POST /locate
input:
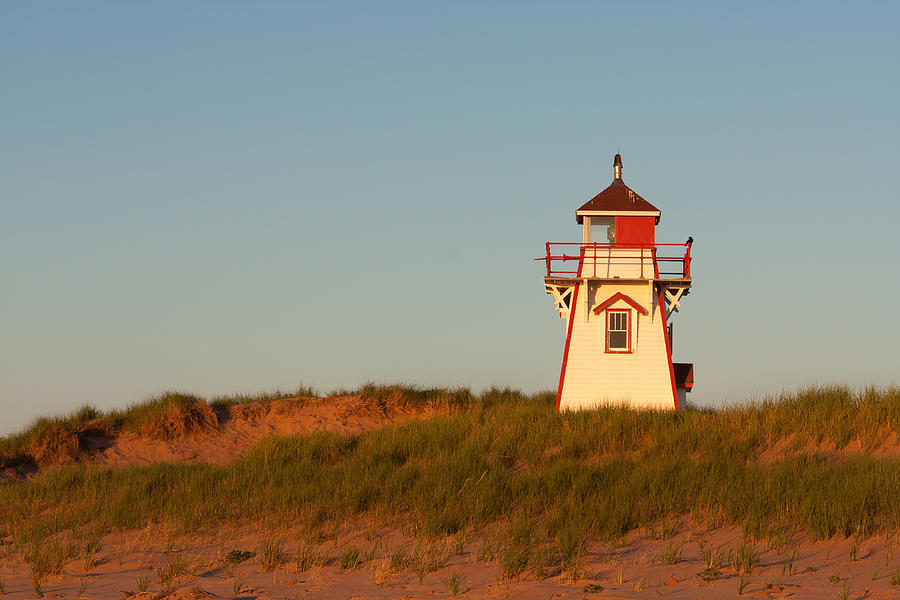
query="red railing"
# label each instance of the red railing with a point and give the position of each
(662, 255)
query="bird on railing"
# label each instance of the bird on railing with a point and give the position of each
(690, 241)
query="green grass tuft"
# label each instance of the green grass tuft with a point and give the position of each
(350, 559)
(272, 554)
(237, 556)
(454, 584)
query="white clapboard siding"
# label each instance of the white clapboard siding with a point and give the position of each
(592, 376)
(626, 263)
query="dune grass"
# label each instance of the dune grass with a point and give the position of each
(167, 416)
(301, 391)
(506, 460)
(504, 457)
(61, 429)
(171, 415)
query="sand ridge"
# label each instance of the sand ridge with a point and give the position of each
(240, 428)
(232, 432)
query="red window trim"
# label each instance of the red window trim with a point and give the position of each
(615, 298)
(606, 316)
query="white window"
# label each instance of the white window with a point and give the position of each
(603, 230)
(618, 331)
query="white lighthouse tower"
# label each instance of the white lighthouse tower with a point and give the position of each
(618, 290)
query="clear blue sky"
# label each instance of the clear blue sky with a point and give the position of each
(224, 197)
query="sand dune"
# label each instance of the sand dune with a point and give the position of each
(643, 564)
(240, 428)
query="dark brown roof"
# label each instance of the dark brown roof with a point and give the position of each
(617, 197)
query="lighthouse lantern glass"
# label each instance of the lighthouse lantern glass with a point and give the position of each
(603, 230)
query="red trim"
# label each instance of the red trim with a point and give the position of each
(662, 319)
(615, 298)
(572, 308)
(680, 269)
(627, 312)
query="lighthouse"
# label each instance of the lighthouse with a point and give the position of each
(618, 291)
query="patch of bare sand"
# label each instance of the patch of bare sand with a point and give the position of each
(637, 566)
(887, 448)
(241, 427)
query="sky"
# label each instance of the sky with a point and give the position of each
(228, 197)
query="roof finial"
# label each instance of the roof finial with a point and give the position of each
(617, 166)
